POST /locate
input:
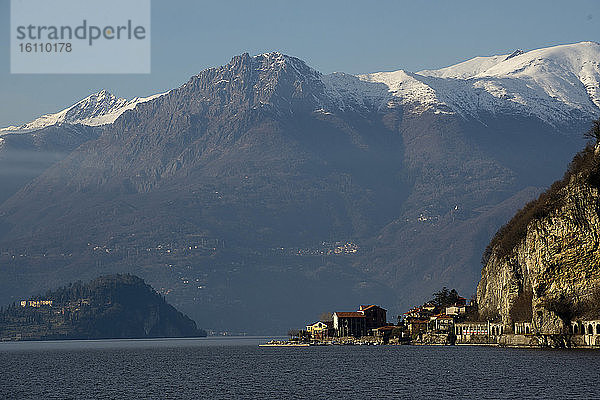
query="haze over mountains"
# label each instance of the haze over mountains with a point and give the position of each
(262, 193)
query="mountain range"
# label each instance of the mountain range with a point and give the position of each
(261, 193)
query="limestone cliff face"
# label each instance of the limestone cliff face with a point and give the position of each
(551, 273)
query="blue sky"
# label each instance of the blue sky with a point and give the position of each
(351, 36)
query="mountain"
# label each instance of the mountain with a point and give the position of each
(109, 307)
(262, 193)
(543, 266)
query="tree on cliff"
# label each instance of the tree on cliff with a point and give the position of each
(445, 297)
(594, 132)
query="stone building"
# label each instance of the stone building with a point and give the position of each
(522, 328)
(359, 323)
(375, 316)
(588, 332)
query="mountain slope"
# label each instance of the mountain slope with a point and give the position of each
(24, 156)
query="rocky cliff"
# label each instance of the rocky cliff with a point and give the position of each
(544, 265)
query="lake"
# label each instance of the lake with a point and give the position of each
(236, 368)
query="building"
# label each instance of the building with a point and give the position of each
(384, 332)
(416, 325)
(584, 328)
(319, 330)
(468, 329)
(590, 331)
(359, 323)
(349, 324)
(496, 329)
(375, 316)
(441, 323)
(36, 303)
(465, 331)
(522, 328)
(415, 312)
(456, 310)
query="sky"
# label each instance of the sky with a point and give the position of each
(329, 35)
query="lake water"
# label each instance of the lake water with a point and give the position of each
(236, 368)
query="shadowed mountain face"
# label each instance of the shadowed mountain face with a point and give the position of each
(25, 156)
(255, 197)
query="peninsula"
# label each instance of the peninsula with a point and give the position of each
(109, 307)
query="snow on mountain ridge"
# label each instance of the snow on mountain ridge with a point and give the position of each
(347, 91)
(97, 109)
(554, 84)
(466, 69)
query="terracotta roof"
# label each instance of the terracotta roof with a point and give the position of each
(418, 321)
(440, 315)
(386, 328)
(351, 314)
(363, 307)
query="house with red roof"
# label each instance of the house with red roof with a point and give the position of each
(359, 323)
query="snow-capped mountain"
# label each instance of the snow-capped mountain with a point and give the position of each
(100, 108)
(555, 84)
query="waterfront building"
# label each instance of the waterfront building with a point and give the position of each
(441, 323)
(375, 316)
(319, 330)
(522, 328)
(349, 324)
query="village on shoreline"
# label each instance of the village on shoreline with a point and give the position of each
(447, 319)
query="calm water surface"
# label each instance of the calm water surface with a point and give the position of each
(236, 368)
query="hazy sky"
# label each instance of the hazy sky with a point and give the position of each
(346, 35)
